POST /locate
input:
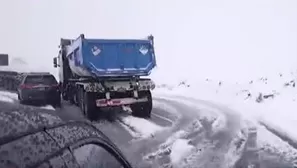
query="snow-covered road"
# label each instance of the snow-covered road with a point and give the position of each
(185, 132)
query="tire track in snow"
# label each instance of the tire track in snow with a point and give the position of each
(213, 134)
(183, 134)
(265, 159)
(233, 119)
(229, 122)
(219, 136)
(154, 116)
(179, 114)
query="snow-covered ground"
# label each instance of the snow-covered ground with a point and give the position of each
(221, 99)
(269, 100)
(263, 103)
(13, 97)
(139, 127)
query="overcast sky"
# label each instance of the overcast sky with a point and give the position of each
(229, 39)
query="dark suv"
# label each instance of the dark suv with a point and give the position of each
(39, 88)
(43, 139)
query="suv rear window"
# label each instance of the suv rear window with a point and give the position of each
(42, 79)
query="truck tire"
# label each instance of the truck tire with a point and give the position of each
(143, 109)
(89, 106)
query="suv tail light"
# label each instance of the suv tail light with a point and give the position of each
(55, 85)
(24, 86)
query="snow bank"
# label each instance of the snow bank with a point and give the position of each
(13, 97)
(48, 107)
(8, 97)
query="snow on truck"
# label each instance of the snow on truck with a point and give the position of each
(99, 73)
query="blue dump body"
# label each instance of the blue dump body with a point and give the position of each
(111, 58)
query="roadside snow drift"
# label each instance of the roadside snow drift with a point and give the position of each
(8, 96)
(6, 99)
(13, 98)
(48, 107)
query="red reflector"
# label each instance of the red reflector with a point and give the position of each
(116, 101)
(55, 85)
(26, 86)
(108, 102)
(102, 101)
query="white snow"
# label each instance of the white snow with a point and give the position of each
(205, 111)
(6, 99)
(8, 95)
(165, 106)
(234, 152)
(268, 141)
(142, 128)
(219, 124)
(167, 145)
(278, 112)
(48, 107)
(13, 97)
(180, 150)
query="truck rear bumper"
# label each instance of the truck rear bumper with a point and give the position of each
(118, 102)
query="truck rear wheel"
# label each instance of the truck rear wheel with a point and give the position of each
(89, 106)
(143, 109)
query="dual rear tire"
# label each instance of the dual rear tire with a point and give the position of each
(89, 107)
(87, 103)
(143, 109)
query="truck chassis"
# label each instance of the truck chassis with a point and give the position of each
(93, 96)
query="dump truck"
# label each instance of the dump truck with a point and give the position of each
(96, 74)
